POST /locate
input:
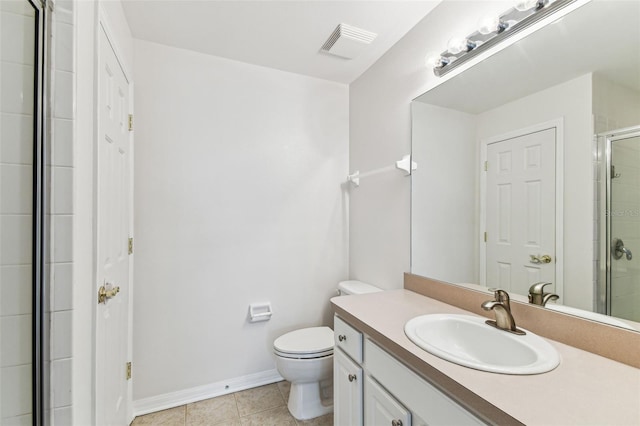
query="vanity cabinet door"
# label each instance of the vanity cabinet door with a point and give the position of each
(347, 391)
(419, 396)
(382, 409)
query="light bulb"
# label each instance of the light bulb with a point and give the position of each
(432, 60)
(488, 24)
(525, 5)
(437, 61)
(457, 45)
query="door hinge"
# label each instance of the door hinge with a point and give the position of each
(131, 245)
(130, 122)
(129, 370)
(486, 166)
(485, 236)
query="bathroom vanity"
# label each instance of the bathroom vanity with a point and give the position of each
(381, 377)
(383, 390)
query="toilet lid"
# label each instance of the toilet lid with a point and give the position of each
(305, 341)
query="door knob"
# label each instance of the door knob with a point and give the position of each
(545, 258)
(106, 292)
(352, 377)
(342, 337)
(620, 250)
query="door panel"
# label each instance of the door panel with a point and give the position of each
(382, 409)
(347, 382)
(112, 232)
(624, 218)
(520, 210)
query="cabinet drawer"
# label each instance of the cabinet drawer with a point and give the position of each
(348, 339)
(420, 397)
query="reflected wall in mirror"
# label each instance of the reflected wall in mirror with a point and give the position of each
(507, 153)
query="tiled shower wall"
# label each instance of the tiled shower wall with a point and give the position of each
(16, 211)
(61, 207)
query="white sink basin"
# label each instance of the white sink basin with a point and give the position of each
(468, 341)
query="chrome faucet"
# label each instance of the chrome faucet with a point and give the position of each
(537, 295)
(502, 308)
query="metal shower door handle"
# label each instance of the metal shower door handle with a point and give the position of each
(619, 250)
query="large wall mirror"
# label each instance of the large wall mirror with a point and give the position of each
(514, 186)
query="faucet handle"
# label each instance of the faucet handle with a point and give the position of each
(502, 296)
(538, 288)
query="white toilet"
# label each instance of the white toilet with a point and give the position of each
(305, 358)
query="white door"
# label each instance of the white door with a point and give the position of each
(112, 397)
(521, 211)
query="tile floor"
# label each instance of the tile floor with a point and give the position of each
(262, 406)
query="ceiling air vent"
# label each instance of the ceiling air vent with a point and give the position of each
(347, 41)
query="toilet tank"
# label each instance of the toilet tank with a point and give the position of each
(355, 287)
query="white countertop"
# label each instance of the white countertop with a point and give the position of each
(585, 389)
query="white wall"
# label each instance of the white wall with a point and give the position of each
(238, 199)
(444, 243)
(380, 133)
(571, 102)
(614, 106)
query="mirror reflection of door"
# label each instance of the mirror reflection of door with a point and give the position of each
(520, 211)
(624, 220)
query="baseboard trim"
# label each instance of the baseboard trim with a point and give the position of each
(186, 396)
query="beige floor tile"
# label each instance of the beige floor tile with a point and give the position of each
(255, 400)
(214, 411)
(170, 417)
(275, 417)
(235, 422)
(326, 420)
(284, 387)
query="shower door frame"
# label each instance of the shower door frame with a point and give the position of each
(39, 224)
(602, 294)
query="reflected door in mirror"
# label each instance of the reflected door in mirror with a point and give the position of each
(520, 211)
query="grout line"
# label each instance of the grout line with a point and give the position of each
(9, 163)
(16, 114)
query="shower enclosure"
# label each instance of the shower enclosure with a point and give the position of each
(619, 195)
(21, 212)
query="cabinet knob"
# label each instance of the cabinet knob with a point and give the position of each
(352, 377)
(342, 337)
(396, 422)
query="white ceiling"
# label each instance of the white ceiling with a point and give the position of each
(285, 35)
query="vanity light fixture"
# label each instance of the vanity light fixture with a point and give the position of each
(493, 30)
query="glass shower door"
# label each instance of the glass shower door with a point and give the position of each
(624, 227)
(20, 212)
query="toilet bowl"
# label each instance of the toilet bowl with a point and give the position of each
(304, 357)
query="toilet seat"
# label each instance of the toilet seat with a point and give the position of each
(306, 343)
